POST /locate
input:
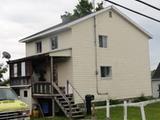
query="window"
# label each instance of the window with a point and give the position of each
(23, 69)
(102, 41)
(54, 42)
(106, 71)
(39, 47)
(25, 93)
(19, 69)
(15, 70)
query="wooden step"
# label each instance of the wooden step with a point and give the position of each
(77, 116)
(67, 95)
(67, 106)
(72, 109)
(62, 99)
(77, 112)
(64, 102)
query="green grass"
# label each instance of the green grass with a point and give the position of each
(152, 113)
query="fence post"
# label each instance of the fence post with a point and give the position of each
(107, 109)
(125, 110)
(142, 112)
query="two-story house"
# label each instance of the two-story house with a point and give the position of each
(105, 54)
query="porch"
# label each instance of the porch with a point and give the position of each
(40, 71)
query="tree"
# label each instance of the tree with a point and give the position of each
(99, 6)
(3, 70)
(83, 8)
(152, 72)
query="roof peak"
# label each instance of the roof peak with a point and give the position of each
(62, 25)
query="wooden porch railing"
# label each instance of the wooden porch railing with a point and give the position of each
(42, 88)
(20, 81)
(74, 90)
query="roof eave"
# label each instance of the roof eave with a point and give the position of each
(68, 25)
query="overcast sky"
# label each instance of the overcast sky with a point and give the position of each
(20, 18)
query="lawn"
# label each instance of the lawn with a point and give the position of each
(152, 113)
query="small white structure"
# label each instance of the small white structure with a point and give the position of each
(156, 83)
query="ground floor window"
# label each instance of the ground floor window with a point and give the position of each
(106, 71)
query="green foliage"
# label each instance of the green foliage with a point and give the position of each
(83, 8)
(103, 103)
(99, 6)
(3, 70)
(142, 98)
(114, 102)
(5, 82)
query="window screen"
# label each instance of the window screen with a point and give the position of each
(103, 41)
(106, 71)
(39, 47)
(54, 42)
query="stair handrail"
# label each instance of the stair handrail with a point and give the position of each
(84, 102)
(64, 97)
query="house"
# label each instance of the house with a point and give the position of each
(105, 54)
(156, 83)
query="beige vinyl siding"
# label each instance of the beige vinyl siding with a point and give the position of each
(64, 41)
(127, 52)
(64, 72)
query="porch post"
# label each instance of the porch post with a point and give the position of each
(51, 78)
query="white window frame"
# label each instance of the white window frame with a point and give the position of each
(102, 41)
(107, 74)
(54, 42)
(38, 51)
(15, 70)
(23, 69)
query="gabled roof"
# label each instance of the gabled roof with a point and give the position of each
(62, 26)
(156, 75)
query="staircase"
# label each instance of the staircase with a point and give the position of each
(67, 105)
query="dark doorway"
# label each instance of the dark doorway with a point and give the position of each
(46, 106)
(55, 73)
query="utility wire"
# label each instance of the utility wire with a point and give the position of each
(133, 11)
(148, 5)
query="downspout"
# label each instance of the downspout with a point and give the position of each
(96, 58)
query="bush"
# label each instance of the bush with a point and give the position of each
(142, 98)
(103, 103)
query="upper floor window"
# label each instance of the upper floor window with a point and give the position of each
(39, 47)
(106, 71)
(102, 41)
(54, 42)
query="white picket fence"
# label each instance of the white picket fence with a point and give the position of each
(141, 105)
